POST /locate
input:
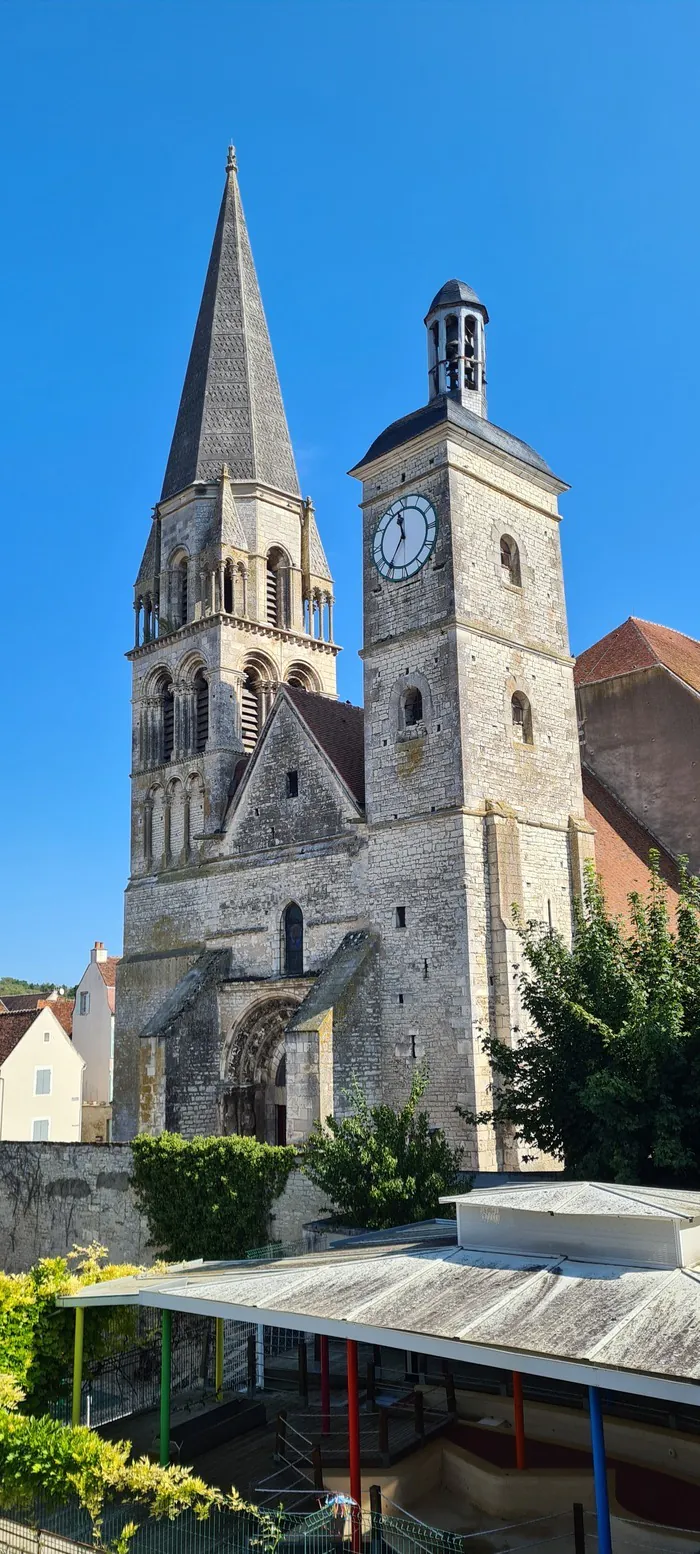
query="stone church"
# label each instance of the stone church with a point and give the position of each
(319, 892)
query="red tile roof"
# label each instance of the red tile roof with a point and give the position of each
(63, 1010)
(636, 645)
(340, 730)
(12, 1028)
(622, 848)
(108, 969)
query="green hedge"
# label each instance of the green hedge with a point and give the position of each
(207, 1197)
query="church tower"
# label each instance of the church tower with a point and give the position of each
(234, 593)
(473, 785)
(233, 598)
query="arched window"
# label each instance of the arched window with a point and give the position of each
(277, 596)
(522, 718)
(181, 601)
(471, 369)
(201, 711)
(167, 713)
(510, 561)
(228, 588)
(293, 927)
(412, 708)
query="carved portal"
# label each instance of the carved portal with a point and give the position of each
(254, 1098)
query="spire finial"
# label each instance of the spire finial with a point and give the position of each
(231, 163)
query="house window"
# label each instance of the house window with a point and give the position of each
(401, 917)
(84, 1003)
(42, 1081)
(292, 785)
(47, 1035)
(40, 1129)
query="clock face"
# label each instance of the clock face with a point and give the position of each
(404, 537)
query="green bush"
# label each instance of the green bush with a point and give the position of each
(382, 1167)
(207, 1197)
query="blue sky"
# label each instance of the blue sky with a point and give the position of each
(546, 153)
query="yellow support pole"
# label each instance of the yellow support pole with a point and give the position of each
(219, 1359)
(78, 1363)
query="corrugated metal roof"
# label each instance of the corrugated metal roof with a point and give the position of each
(628, 1328)
(587, 1198)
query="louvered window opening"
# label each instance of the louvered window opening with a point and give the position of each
(272, 597)
(183, 593)
(168, 723)
(201, 693)
(250, 716)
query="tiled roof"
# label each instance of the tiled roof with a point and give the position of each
(108, 969)
(63, 1010)
(12, 1028)
(340, 730)
(15, 1003)
(636, 645)
(622, 848)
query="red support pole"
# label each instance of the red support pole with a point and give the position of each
(325, 1389)
(519, 1418)
(354, 1440)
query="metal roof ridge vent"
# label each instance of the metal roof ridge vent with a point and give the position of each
(598, 1222)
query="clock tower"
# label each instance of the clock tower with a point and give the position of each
(473, 784)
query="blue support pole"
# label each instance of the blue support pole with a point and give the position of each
(600, 1477)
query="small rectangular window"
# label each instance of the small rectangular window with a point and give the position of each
(47, 1035)
(40, 1129)
(292, 785)
(84, 1003)
(42, 1082)
(400, 917)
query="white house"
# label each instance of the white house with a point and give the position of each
(41, 1078)
(93, 1038)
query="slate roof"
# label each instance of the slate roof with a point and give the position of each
(455, 291)
(231, 409)
(637, 645)
(446, 409)
(339, 728)
(622, 847)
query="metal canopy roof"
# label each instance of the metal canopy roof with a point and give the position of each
(587, 1198)
(624, 1328)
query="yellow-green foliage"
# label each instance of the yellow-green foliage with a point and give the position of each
(36, 1336)
(40, 1458)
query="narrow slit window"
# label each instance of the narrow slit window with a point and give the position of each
(292, 785)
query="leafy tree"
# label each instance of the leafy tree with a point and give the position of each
(16, 985)
(607, 1076)
(207, 1197)
(381, 1167)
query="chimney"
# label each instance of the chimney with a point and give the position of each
(99, 952)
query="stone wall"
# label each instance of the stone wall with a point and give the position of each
(57, 1196)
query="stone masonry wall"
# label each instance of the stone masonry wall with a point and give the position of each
(54, 1197)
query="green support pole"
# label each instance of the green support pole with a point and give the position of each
(165, 1353)
(219, 1360)
(78, 1364)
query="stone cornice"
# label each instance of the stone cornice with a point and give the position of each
(239, 623)
(479, 629)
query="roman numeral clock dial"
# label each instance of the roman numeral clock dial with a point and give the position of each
(404, 537)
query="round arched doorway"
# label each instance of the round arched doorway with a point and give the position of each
(254, 1079)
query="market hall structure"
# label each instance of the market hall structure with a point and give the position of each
(586, 1283)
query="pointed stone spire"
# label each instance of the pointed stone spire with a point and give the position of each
(228, 529)
(231, 408)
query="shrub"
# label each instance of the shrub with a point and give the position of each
(382, 1167)
(207, 1197)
